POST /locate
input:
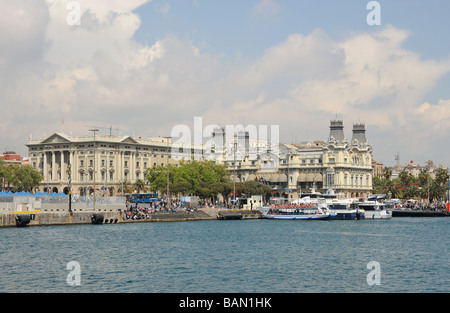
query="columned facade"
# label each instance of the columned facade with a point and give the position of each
(335, 165)
(112, 162)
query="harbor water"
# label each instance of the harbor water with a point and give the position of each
(245, 256)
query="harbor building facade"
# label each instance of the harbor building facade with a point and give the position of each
(105, 163)
(336, 165)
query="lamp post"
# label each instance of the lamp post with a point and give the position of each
(94, 130)
(69, 172)
(169, 201)
(235, 175)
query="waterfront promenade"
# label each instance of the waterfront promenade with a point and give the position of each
(62, 216)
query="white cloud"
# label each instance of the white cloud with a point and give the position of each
(96, 73)
(164, 8)
(266, 8)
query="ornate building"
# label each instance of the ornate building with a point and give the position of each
(106, 162)
(101, 163)
(336, 165)
(348, 165)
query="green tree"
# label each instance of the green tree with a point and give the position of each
(405, 178)
(125, 186)
(31, 178)
(19, 178)
(202, 178)
(439, 186)
(387, 173)
(139, 185)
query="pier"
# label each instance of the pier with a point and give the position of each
(61, 216)
(419, 213)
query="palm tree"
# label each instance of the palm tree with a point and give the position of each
(405, 178)
(440, 183)
(387, 173)
(139, 185)
(125, 186)
(442, 177)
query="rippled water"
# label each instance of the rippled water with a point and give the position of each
(230, 256)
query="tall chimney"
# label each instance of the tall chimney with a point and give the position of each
(359, 133)
(337, 130)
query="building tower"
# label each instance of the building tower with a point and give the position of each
(337, 130)
(359, 133)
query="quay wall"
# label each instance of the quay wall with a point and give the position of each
(40, 218)
(415, 213)
(52, 215)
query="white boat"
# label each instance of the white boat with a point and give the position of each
(294, 211)
(375, 209)
(339, 207)
(343, 209)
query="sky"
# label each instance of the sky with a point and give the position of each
(145, 67)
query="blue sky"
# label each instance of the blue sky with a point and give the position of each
(146, 66)
(235, 25)
(235, 29)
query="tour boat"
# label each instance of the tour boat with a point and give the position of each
(294, 212)
(344, 209)
(375, 209)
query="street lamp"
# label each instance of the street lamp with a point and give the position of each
(94, 130)
(169, 202)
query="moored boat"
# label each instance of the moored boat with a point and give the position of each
(294, 212)
(375, 208)
(344, 209)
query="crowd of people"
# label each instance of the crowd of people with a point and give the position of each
(137, 211)
(423, 206)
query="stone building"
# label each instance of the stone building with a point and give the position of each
(105, 162)
(336, 165)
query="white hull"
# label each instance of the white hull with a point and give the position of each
(374, 210)
(294, 213)
(378, 215)
(297, 217)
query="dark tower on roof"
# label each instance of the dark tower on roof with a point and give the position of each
(359, 133)
(337, 130)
